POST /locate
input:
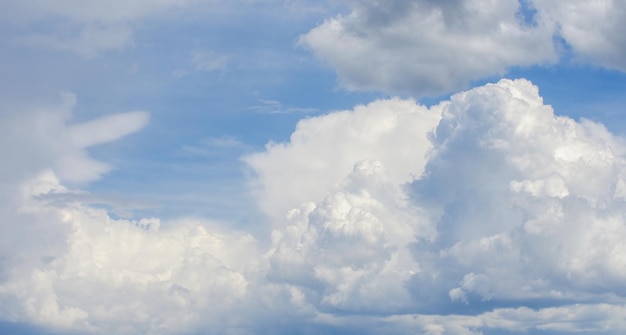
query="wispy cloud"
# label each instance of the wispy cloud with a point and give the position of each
(277, 107)
(203, 61)
(213, 146)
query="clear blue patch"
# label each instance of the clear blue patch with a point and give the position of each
(527, 14)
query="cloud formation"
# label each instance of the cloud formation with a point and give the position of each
(38, 137)
(515, 207)
(323, 150)
(528, 205)
(83, 27)
(593, 29)
(127, 277)
(427, 48)
(485, 212)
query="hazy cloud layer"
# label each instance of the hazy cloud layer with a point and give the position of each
(82, 27)
(485, 212)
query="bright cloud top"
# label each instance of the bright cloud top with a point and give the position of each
(433, 47)
(324, 149)
(491, 205)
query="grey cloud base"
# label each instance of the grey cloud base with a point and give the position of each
(429, 48)
(484, 213)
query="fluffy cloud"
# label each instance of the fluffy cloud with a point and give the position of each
(485, 212)
(432, 47)
(592, 28)
(511, 186)
(428, 47)
(350, 251)
(131, 277)
(515, 207)
(323, 150)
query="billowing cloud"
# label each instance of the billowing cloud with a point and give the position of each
(108, 275)
(349, 252)
(528, 206)
(323, 150)
(484, 213)
(516, 208)
(428, 47)
(432, 47)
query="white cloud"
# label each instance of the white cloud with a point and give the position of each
(428, 47)
(526, 204)
(516, 207)
(116, 276)
(594, 29)
(450, 220)
(350, 251)
(39, 138)
(432, 47)
(323, 150)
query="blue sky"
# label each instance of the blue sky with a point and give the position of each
(209, 166)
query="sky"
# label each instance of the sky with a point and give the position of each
(186, 167)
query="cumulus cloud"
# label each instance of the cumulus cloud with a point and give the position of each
(323, 150)
(486, 212)
(428, 47)
(538, 195)
(515, 207)
(433, 47)
(116, 276)
(349, 252)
